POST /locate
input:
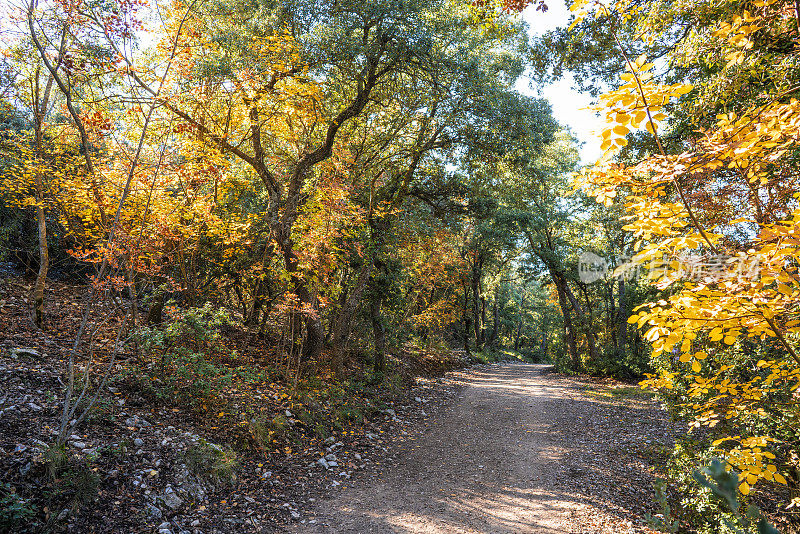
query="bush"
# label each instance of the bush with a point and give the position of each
(16, 512)
(184, 360)
(212, 462)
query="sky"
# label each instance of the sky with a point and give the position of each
(569, 106)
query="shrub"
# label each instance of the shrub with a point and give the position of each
(184, 359)
(212, 462)
(16, 512)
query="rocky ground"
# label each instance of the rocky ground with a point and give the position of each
(143, 469)
(519, 449)
(143, 464)
(489, 449)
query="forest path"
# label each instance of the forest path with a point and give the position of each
(501, 458)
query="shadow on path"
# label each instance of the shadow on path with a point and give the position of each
(501, 458)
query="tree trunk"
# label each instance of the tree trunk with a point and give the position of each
(154, 315)
(569, 328)
(41, 221)
(251, 319)
(576, 305)
(495, 317)
(44, 262)
(476, 297)
(344, 319)
(622, 315)
(465, 317)
(379, 332)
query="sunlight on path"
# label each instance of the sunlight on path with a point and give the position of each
(488, 464)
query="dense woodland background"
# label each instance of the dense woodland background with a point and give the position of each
(358, 189)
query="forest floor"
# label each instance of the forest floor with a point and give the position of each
(518, 449)
(491, 448)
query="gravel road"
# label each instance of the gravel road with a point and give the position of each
(519, 450)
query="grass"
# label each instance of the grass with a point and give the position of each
(212, 462)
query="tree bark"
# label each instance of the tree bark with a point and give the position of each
(477, 269)
(44, 261)
(344, 320)
(40, 107)
(495, 317)
(576, 305)
(379, 332)
(569, 328)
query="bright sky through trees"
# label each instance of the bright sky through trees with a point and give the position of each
(569, 106)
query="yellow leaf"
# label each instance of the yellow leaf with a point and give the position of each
(744, 487)
(695, 366)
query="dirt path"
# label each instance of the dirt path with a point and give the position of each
(519, 450)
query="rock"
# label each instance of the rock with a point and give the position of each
(333, 464)
(330, 457)
(23, 351)
(152, 512)
(195, 523)
(266, 474)
(79, 445)
(295, 515)
(164, 531)
(417, 399)
(194, 491)
(20, 448)
(324, 463)
(34, 407)
(165, 524)
(289, 414)
(171, 498)
(138, 442)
